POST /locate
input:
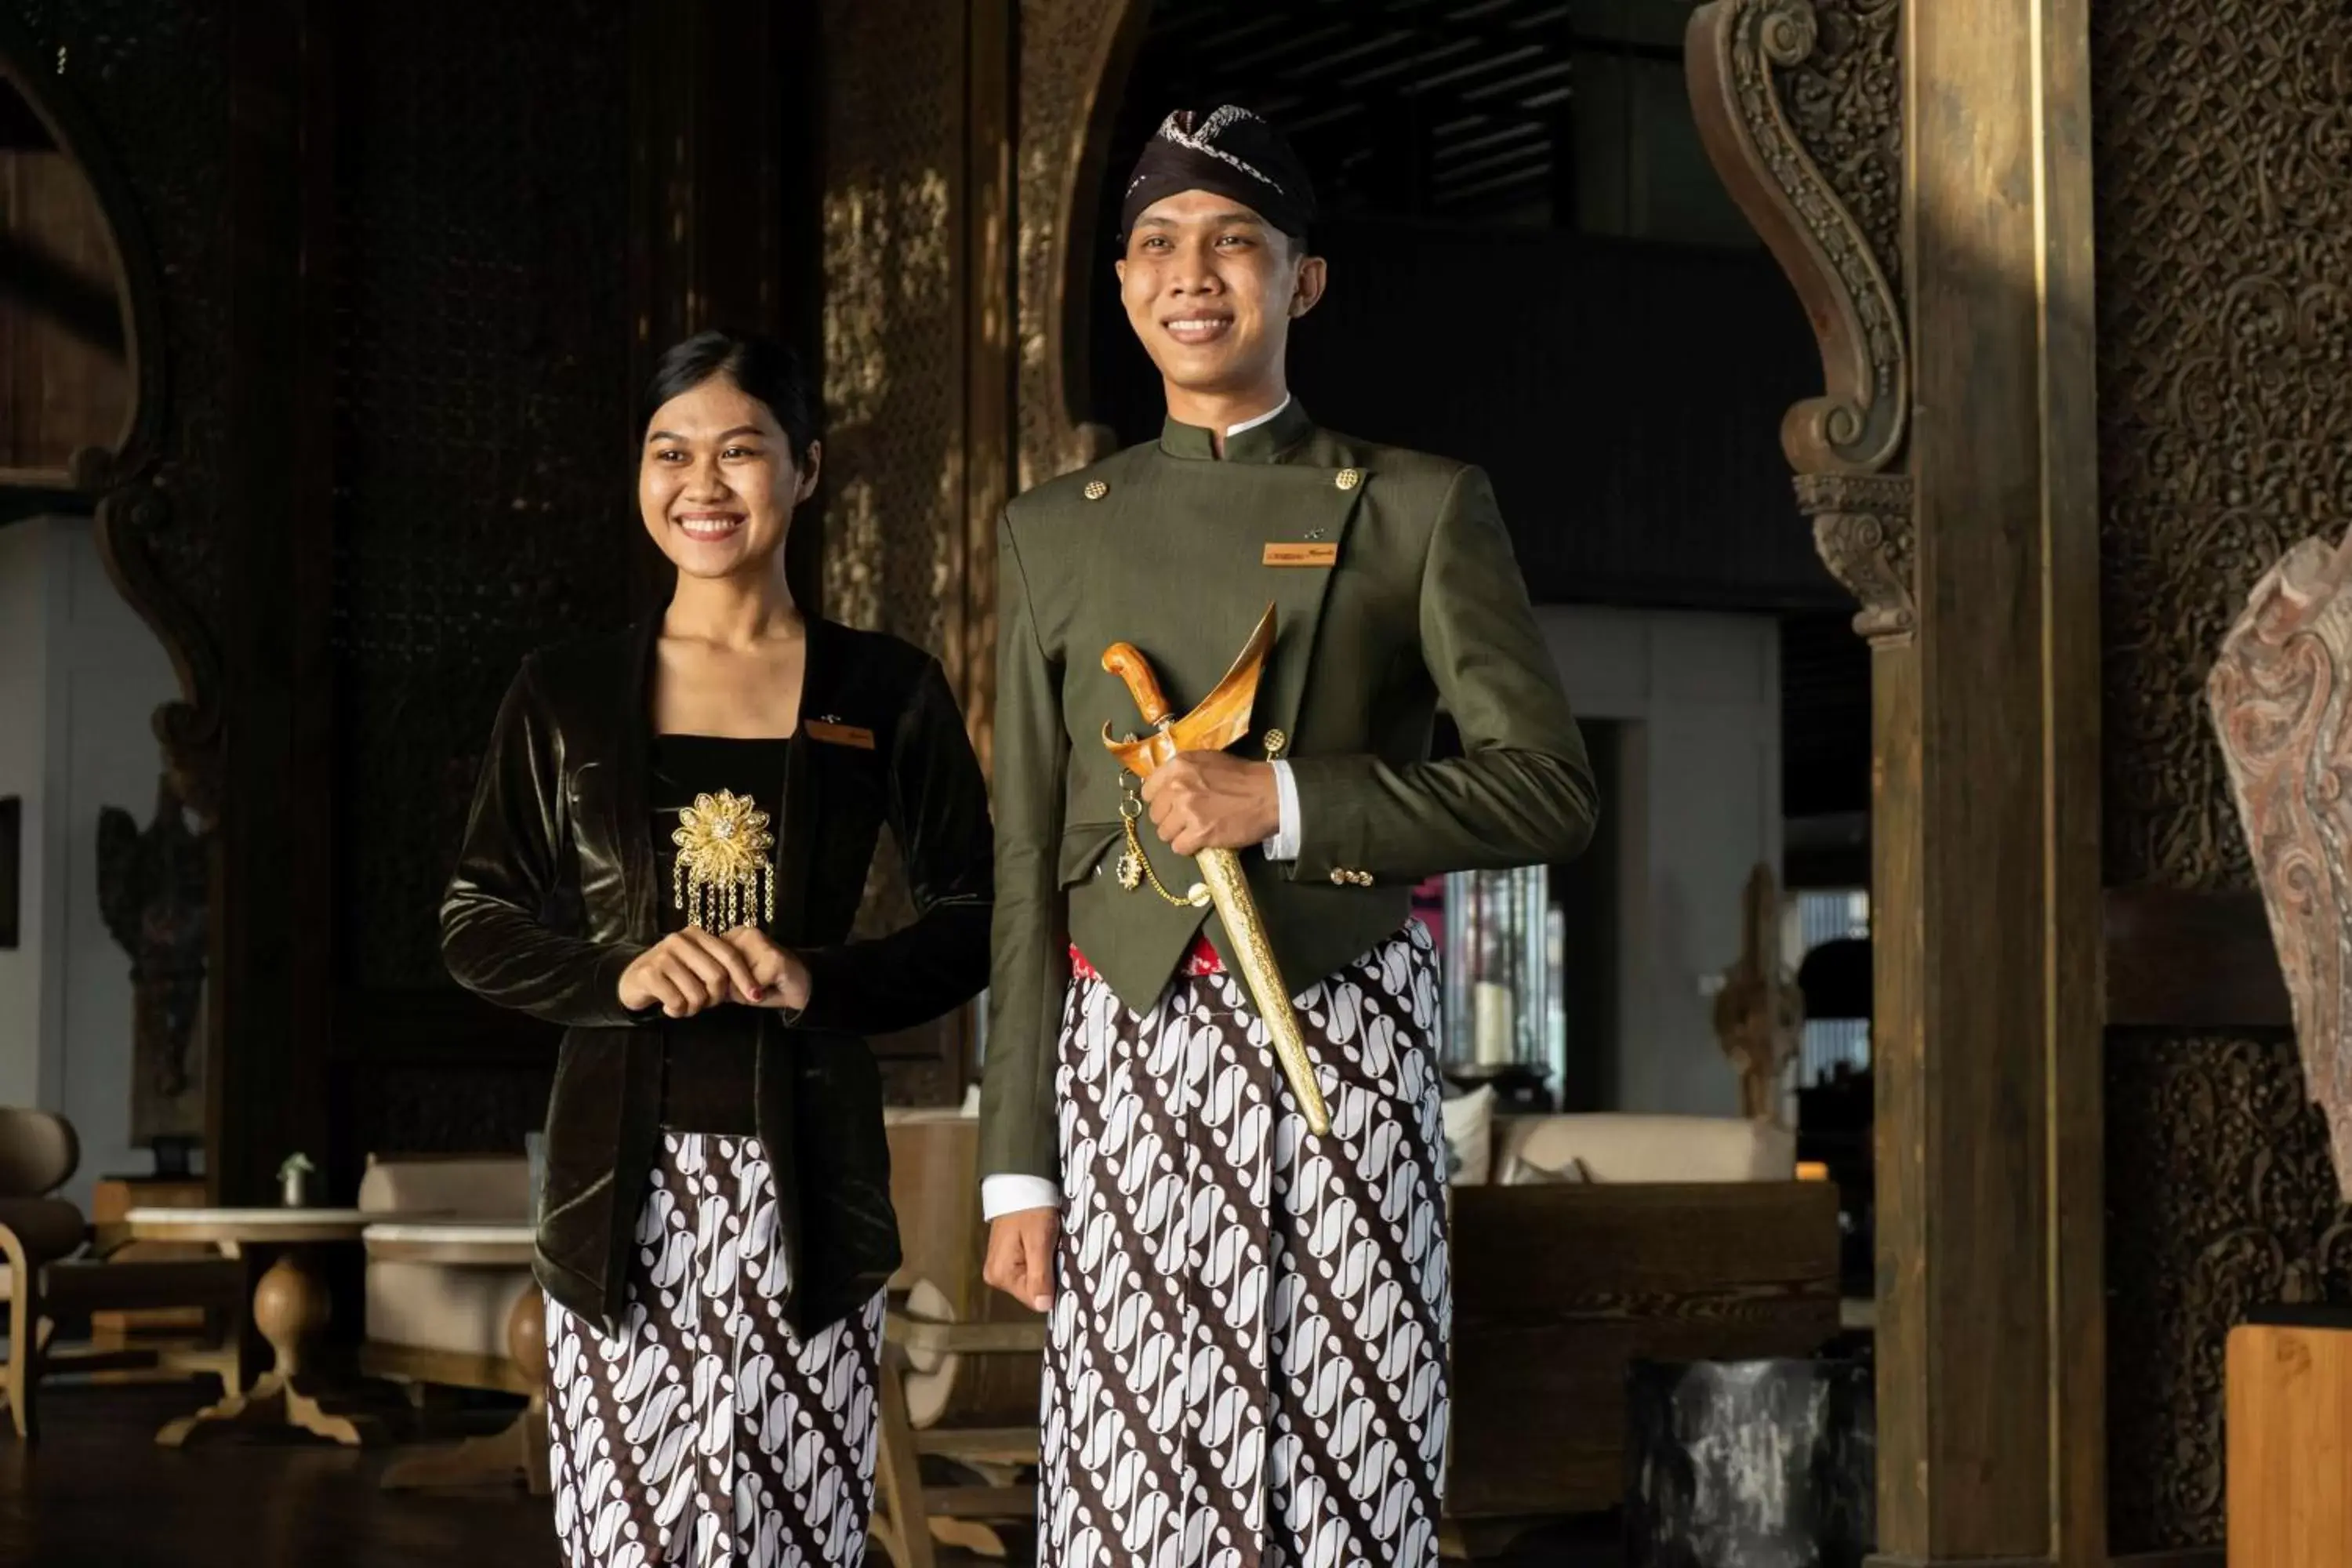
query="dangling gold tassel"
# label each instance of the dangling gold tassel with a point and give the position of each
(722, 856)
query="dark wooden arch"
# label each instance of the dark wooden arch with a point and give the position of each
(1075, 58)
(127, 485)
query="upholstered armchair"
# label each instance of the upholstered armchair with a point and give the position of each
(38, 1154)
(50, 1271)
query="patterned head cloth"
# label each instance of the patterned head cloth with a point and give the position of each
(1230, 152)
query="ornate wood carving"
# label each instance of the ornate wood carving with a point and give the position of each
(1799, 107)
(2225, 419)
(1759, 1014)
(2229, 1204)
(153, 886)
(1075, 59)
(2279, 700)
(1862, 526)
(476, 379)
(1742, 55)
(893, 336)
(139, 148)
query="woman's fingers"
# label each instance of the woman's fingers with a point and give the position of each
(687, 986)
(708, 976)
(732, 970)
(660, 992)
(758, 951)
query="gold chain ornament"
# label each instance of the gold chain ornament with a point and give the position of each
(1135, 865)
(722, 871)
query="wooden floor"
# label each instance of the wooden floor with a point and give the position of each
(96, 1492)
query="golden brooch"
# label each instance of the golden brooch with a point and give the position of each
(722, 869)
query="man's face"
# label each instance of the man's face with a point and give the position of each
(1211, 289)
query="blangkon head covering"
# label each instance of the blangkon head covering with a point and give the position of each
(1228, 150)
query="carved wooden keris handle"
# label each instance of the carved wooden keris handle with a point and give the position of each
(1125, 661)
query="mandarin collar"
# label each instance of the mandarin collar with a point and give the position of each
(1258, 444)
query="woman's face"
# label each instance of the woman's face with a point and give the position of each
(717, 482)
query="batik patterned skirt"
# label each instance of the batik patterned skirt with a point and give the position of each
(707, 1433)
(1247, 1344)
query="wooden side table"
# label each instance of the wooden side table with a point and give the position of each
(111, 1201)
(290, 1306)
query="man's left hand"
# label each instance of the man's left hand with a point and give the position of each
(1211, 800)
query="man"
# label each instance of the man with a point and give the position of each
(1248, 1321)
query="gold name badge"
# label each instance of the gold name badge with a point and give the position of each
(1324, 554)
(841, 734)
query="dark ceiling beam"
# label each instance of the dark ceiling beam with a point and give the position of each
(1536, 182)
(1453, 151)
(1514, 89)
(1534, 159)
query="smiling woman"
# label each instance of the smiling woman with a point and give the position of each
(730, 451)
(706, 791)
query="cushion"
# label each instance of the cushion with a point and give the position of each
(444, 1306)
(50, 1228)
(1519, 1173)
(1623, 1147)
(469, 1186)
(1469, 1138)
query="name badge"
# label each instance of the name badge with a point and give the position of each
(1303, 554)
(840, 735)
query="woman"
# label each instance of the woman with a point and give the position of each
(667, 845)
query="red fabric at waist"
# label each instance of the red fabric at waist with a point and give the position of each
(1201, 958)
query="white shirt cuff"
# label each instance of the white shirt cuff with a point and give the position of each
(1284, 844)
(1001, 1196)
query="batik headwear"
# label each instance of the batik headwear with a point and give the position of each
(1228, 150)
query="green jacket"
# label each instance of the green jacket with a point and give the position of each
(1166, 547)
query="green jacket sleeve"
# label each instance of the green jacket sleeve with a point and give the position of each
(1029, 967)
(1521, 794)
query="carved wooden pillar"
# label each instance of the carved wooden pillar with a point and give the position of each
(1967, 530)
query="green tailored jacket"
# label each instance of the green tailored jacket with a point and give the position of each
(1395, 591)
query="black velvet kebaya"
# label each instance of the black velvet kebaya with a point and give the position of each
(558, 892)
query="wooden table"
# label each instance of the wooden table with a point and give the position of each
(290, 1306)
(519, 1448)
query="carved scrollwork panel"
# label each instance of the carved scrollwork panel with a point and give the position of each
(477, 379)
(140, 91)
(1862, 526)
(2224, 221)
(1075, 58)
(2278, 699)
(1779, 85)
(894, 123)
(2225, 232)
(2222, 1199)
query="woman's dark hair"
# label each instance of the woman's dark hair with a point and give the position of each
(765, 371)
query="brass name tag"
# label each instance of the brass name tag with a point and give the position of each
(841, 734)
(1325, 554)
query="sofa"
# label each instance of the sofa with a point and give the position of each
(451, 1304)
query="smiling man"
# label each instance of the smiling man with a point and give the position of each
(1248, 1321)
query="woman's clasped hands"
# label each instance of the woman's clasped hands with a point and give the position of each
(692, 970)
